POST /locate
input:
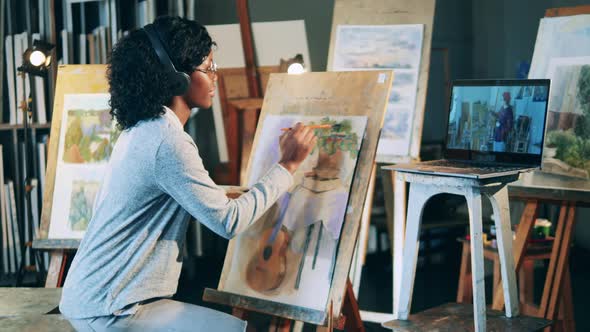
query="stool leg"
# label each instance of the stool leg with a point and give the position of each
(473, 196)
(419, 194)
(399, 229)
(501, 209)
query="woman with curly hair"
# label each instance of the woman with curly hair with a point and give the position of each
(128, 264)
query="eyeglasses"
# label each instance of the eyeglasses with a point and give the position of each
(211, 71)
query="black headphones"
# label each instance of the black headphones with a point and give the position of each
(178, 80)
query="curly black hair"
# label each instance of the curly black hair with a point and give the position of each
(136, 78)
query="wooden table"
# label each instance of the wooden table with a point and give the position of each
(28, 301)
(537, 188)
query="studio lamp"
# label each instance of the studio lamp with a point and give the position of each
(293, 66)
(37, 59)
(36, 62)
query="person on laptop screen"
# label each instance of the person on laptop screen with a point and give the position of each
(504, 122)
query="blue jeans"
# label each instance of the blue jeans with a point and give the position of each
(163, 315)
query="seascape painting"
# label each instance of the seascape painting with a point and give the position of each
(289, 255)
(378, 47)
(397, 47)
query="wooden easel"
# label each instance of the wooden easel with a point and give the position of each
(315, 90)
(556, 302)
(73, 79)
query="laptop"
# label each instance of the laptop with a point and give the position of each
(494, 128)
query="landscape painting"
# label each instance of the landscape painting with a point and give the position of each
(289, 255)
(81, 203)
(87, 137)
(397, 47)
(567, 142)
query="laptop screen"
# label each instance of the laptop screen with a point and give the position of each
(497, 120)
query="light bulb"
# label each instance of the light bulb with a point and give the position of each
(37, 58)
(295, 68)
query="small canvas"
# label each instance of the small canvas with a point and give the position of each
(86, 141)
(303, 228)
(377, 47)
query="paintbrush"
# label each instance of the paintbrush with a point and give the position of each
(323, 126)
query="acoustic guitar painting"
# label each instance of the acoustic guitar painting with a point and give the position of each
(267, 268)
(288, 255)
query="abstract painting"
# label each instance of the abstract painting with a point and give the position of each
(397, 47)
(289, 255)
(87, 137)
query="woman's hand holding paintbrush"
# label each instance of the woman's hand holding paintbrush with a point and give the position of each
(295, 144)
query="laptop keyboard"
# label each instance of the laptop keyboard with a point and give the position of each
(463, 164)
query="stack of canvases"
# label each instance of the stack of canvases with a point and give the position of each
(19, 228)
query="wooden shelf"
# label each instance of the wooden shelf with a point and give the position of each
(7, 126)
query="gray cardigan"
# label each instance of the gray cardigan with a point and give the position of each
(132, 250)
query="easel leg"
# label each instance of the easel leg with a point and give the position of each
(360, 253)
(464, 288)
(419, 194)
(56, 271)
(522, 234)
(555, 254)
(501, 210)
(562, 263)
(350, 309)
(477, 263)
(280, 325)
(566, 305)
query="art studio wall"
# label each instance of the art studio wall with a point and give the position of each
(480, 38)
(317, 16)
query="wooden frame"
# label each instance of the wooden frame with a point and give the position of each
(385, 12)
(341, 86)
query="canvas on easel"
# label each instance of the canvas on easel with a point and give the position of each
(294, 261)
(562, 54)
(82, 137)
(385, 34)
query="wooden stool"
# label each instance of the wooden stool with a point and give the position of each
(422, 188)
(526, 281)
